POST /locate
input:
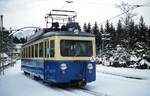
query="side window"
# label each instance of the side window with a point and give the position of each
(36, 50)
(23, 52)
(26, 53)
(46, 49)
(52, 51)
(29, 51)
(32, 50)
(41, 49)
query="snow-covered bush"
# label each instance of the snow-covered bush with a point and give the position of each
(141, 57)
(98, 60)
(144, 63)
(121, 57)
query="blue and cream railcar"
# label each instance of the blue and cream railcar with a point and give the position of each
(61, 57)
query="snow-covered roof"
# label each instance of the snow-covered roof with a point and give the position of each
(4, 55)
(18, 46)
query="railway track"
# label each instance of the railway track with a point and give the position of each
(72, 91)
(85, 92)
(93, 92)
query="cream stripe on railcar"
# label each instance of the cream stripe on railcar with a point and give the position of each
(57, 47)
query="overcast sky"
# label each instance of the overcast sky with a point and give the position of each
(20, 13)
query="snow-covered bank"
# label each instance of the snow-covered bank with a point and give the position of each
(125, 72)
(119, 86)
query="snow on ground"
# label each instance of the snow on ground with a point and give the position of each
(113, 81)
(119, 86)
(110, 82)
(125, 72)
(14, 83)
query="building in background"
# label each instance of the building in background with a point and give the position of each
(17, 51)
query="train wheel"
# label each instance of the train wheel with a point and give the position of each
(78, 84)
(81, 83)
(36, 78)
(26, 73)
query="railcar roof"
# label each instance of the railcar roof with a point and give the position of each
(60, 33)
(67, 33)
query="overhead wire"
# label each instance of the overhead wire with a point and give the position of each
(134, 7)
(112, 18)
(96, 3)
(66, 3)
(64, 6)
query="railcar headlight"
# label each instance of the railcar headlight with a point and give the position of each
(90, 66)
(63, 66)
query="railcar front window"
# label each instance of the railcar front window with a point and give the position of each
(76, 48)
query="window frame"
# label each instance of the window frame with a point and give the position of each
(36, 50)
(41, 49)
(32, 51)
(52, 47)
(75, 42)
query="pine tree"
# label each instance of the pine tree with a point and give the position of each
(148, 32)
(107, 27)
(84, 27)
(95, 31)
(131, 37)
(112, 36)
(16, 40)
(119, 33)
(101, 29)
(23, 40)
(6, 42)
(101, 32)
(136, 33)
(142, 30)
(106, 35)
(89, 28)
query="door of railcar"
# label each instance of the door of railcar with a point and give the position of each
(46, 56)
(48, 62)
(82, 69)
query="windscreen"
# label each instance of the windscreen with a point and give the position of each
(76, 48)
